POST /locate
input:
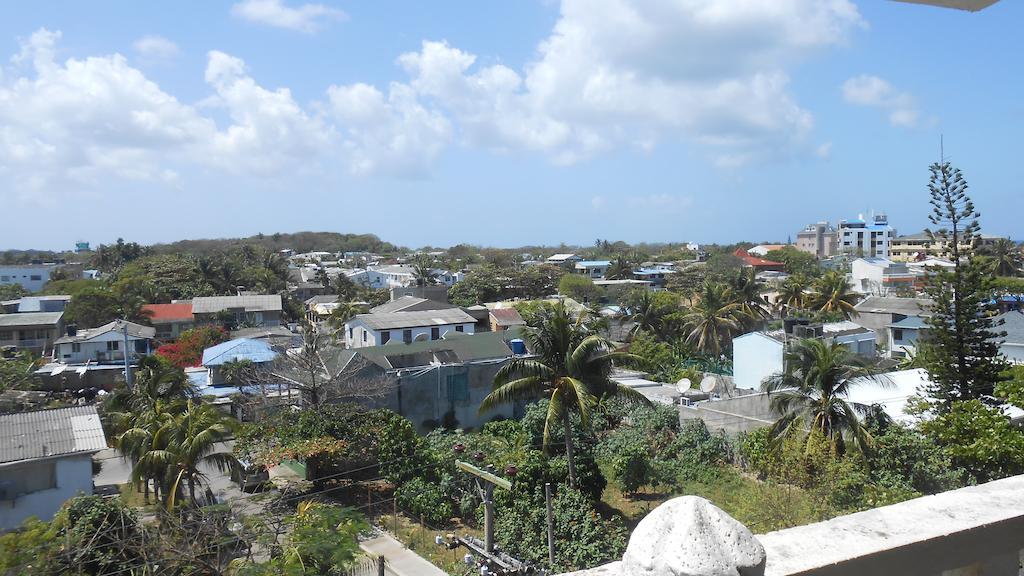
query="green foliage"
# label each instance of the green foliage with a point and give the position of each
(168, 276)
(583, 537)
(12, 292)
(978, 438)
(425, 499)
(903, 457)
(30, 549)
(631, 468)
(96, 304)
(1011, 388)
(17, 372)
(323, 539)
(963, 359)
(579, 288)
(100, 527)
(188, 349)
(490, 283)
(796, 261)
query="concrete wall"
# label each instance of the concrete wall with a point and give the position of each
(30, 277)
(73, 474)
(877, 322)
(755, 357)
(734, 415)
(425, 400)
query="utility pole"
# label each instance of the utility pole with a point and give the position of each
(485, 483)
(127, 362)
(551, 528)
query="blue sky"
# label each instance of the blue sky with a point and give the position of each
(499, 124)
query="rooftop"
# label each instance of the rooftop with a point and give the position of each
(893, 305)
(410, 304)
(392, 320)
(253, 303)
(593, 263)
(322, 299)
(1013, 325)
(507, 317)
(134, 331)
(169, 312)
(562, 257)
(255, 351)
(30, 319)
(453, 349)
(46, 433)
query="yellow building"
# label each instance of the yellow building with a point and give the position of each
(914, 247)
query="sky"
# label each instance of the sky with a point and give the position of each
(499, 123)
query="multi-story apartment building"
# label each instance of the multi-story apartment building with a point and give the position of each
(817, 239)
(865, 238)
(919, 246)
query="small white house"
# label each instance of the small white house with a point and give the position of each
(593, 269)
(757, 355)
(103, 344)
(46, 458)
(564, 260)
(880, 276)
(379, 329)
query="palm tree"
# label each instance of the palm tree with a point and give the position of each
(192, 439)
(572, 370)
(341, 314)
(423, 272)
(793, 294)
(1006, 257)
(714, 319)
(747, 292)
(810, 394)
(620, 269)
(832, 293)
(646, 313)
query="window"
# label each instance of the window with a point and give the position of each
(76, 347)
(435, 333)
(36, 277)
(385, 336)
(364, 335)
(34, 477)
(407, 336)
(140, 346)
(897, 334)
(5, 278)
(6, 335)
(459, 328)
(349, 333)
(112, 346)
(458, 389)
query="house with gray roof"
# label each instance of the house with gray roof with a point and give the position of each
(31, 331)
(1013, 343)
(49, 303)
(251, 310)
(45, 458)
(432, 382)
(878, 313)
(410, 304)
(104, 344)
(406, 327)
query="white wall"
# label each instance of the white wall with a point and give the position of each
(74, 475)
(754, 358)
(25, 276)
(355, 329)
(1013, 352)
(90, 349)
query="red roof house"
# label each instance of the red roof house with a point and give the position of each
(170, 320)
(759, 264)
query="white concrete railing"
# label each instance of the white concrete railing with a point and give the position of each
(973, 531)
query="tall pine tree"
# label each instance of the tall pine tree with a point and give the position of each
(962, 346)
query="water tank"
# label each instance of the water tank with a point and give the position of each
(518, 346)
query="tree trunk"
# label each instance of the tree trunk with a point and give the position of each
(568, 449)
(192, 490)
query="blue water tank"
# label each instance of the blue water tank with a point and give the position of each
(518, 346)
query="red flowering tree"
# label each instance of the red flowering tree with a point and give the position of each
(187, 351)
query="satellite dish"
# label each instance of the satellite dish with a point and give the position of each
(708, 384)
(683, 385)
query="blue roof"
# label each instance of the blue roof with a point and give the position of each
(652, 271)
(594, 263)
(256, 351)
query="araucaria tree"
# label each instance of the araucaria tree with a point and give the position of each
(962, 344)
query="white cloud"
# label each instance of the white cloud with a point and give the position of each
(874, 92)
(598, 203)
(823, 150)
(308, 18)
(393, 134)
(155, 48)
(613, 73)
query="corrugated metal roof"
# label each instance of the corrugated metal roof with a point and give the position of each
(134, 331)
(256, 351)
(251, 303)
(411, 304)
(393, 320)
(1013, 325)
(30, 319)
(47, 433)
(452, 349)
(507, 317)
(893, 305)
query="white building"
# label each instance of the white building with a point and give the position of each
(103, 344)
(566, 260)
(881, 276)
(864, 238)
(31, 277)
(394, 327)
(593, 269)
(46, 458)
(758, 355)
